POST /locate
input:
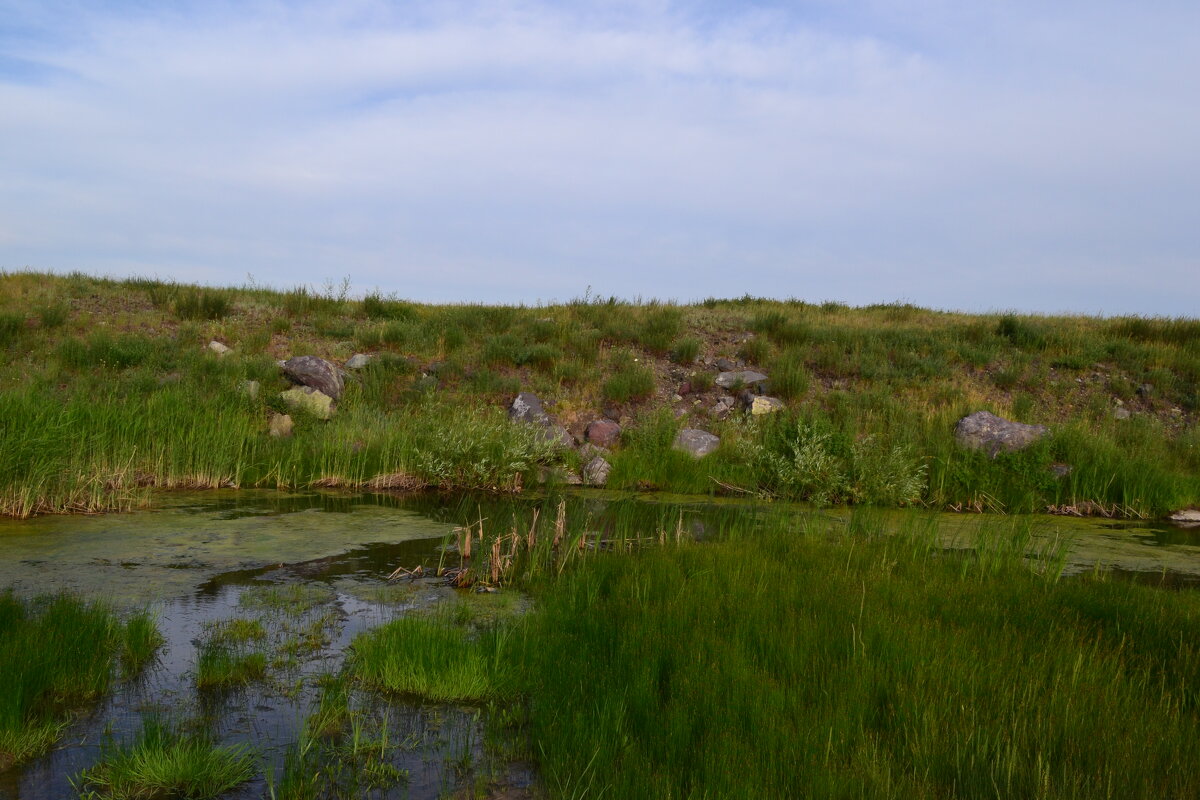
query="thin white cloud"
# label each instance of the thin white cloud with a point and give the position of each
(974, 158)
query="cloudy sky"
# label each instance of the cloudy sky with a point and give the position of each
(1038, 156)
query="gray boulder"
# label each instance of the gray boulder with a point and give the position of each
(595, 472)
(359, 360)
(316, 373)
(985, 431)
(526, 407)
(745, 377)
(602, 432)
(558, 436)
(695, 442)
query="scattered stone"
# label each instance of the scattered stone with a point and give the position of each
(359, 360)
(250, 389)
(765, 405)
(675, 398)
(280, 426)
(310, 400)
(602, 432)
(696, 442)
(725, 365)
(745, 399)
(685, 388)
(1061, 470)
(1145, 390)
(595, 472)
(745, 377)
(316, 373)
(1122, 413)
(611, 412)
(986, 431)
(528, 408)
(219, 348)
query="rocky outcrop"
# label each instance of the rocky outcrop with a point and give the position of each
(695, 442)
(309, 400)
(316, 373)
(595, 472)
(602, 433)
(985, 431)
(745, 377)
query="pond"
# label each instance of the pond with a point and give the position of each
(309, 571)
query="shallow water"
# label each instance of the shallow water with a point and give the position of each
(196, 559)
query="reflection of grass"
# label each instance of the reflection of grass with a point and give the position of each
(55, 655)
(162, 763)
(290, 598)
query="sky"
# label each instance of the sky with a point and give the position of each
(1032, 156)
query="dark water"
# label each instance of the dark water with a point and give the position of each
(201, 559)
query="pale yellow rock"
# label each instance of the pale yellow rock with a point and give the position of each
(765, 405)
(281, 426)
(318, 404)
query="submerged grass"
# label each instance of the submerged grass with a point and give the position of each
(56, 656)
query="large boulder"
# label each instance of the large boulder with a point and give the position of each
(309, 400)
(316, 373)
(695, 442)
(602, 432)
(985, 431)
(526, 407)
(745, 377)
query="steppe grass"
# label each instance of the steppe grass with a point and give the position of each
(163, 762)
(56, 656)
(815, 663)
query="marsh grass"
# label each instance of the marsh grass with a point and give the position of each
(57, 656)
(220, 665)
(163, 762)
(820, 663)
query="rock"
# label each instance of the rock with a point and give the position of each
(1061, 470)
(985, 431)
(558, 436)
(250, 389)
(685, 388)
(280, 426)
(595, 472)
(218, 348)
(611, 412)
(602, 432)
(312, 401)
(526, 407)
(745, 377)
(696, 442)
(316, 373)
(425, 383)
(725, 365)
(590, 451)
(765, 405)
(1145, 390)
(676, 398)
(1122, 413)
(1188, 516)
(359, 360)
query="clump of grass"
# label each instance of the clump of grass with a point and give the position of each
(237, 631)
(376, 306)
(430, 658)
(201, 304)
(290, 598)
(56, 655)
(162, 762)
(789, 376)
(221, 666)
(686, 351)
(755, 350)
(53, 315)
(627, 380)
(11, 326)
(140, 642)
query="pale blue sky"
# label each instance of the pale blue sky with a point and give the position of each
(1025, 155)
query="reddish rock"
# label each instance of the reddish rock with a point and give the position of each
(602, 432)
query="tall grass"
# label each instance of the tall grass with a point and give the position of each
(56, 656)
(793, 664)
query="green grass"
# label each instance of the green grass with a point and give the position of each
(812, 663)
(224, 666)
(164, 763)
(430, 658)
(57, 656)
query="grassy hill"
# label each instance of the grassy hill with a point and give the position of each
(107, 389)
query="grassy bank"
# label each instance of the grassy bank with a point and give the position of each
(108, 390)
(58, 655)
